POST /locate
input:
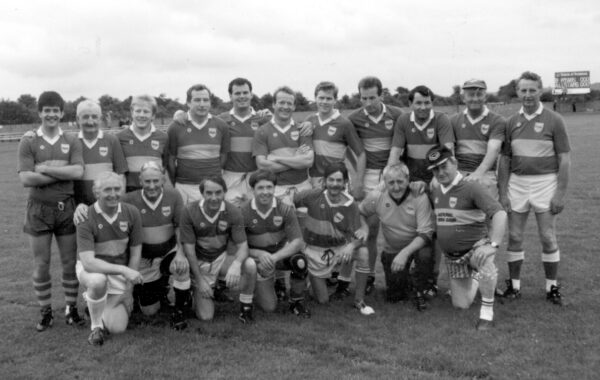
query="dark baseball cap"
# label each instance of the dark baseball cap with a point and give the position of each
(437, 156)
(475, 83)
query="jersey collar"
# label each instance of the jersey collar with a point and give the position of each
(533, 115)
(282, 129)
(216, 216)
(51, 141)
(378, 118)
(421, 127)
(454, 183)
(90, 144)
(109, 219)
(345, 204)
(152, 205)
(140, 137)
(243, 119)
(197, 125)
(485, 112)
(266, 215)
(334, 115)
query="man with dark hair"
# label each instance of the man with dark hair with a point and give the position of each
(48, 163)
(334, 233)
(198, 146)
(374, 124)
(461, 210)
(274, 241)
(534, 174)
(206, 227)
(279, 147)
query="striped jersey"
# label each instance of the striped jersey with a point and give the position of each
(62, 150)
(284, 142)
(137, 151)
(461, 215)
(241, 132)
(101, 155)
(210, 234)
(376, 134)
(328, 225)
(401, 223)
(416, 140)
(331, 137)
(534, 145)
(198, 149)
(110, 237)
(472, 136)
(159, 221)
(271, 231)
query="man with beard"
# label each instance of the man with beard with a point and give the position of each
(279, 147)
(198, 146)
(142, 142)
(49, 161)
(274, 241)
(206, 228)
(334, 233)
(406, 223)
(534, 174)
(162, 255)
(479, 135)
(462, 209)
(109, 243)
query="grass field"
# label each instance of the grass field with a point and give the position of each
(532, 339)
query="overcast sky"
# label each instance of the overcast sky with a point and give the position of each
(125, 47)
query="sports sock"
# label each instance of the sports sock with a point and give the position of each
(487, 309)
(549, 284)
(516, 284)
(96, 308)
(71, 288)
(42, 291)
(246, 298)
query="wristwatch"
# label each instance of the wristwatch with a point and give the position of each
(494, 244)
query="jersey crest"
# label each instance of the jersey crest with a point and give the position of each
(452, 202)
(222, 225)
(64, 148)
(430, 133)
(295, 135)
(166, 210)
(103, 150)
(338, 217)
(254, 125)
(277, 220)
(212, 132)
(485, 128)
(331, 131)
(154, 144)
(389, 123)
(538, 127)
(123, 225)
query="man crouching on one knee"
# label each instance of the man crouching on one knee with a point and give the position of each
(109, 245)
(462, 210)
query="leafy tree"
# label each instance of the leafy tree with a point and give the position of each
(15, 113)
(508, 91)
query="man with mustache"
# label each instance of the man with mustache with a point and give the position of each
(49, 161)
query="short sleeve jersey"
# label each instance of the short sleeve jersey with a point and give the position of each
(376, 135)
(330, 139)
(271, 139)
(210, 234)
(534, 145)
(110, 239)
(241, 133)
(63, 150)
(416, 141)
(152, 147)
(105, 155)
(270, 231)
(400, 223)
(328, 225)
(461, 216)
(159, 221)
(472, 136)
(198, 150)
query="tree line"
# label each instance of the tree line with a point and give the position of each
(24, 109)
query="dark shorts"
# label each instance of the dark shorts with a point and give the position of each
(44, 218)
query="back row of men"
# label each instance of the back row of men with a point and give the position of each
(225, 150)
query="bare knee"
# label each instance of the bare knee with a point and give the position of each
(250, 266)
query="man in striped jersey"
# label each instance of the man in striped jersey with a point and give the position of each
(279, 147)
(101, 152)
(374, 124)
(162, 255)
(142, 142)
(206, 227)
(479, 135)
(406, 223)
(198, 146)
(534, 174)
(461, 210)
(109, 244)
(48, 163)
(274, 241)
(334, 233)
(332, 134)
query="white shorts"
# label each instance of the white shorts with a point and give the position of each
(238, 187)
(320, 264)
(490, 182)
(535, 192)
(210, 270)
(371, 180)
(189, 192)
(115, 283)
(150, 269)
(286, 192)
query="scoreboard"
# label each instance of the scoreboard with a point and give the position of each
(571, 82)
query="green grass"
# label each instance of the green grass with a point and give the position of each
(532, 339)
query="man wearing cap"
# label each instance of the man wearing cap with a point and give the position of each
(479, 135)
(534, 174)
(461, 210)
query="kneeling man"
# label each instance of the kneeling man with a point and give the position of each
(109, 244)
